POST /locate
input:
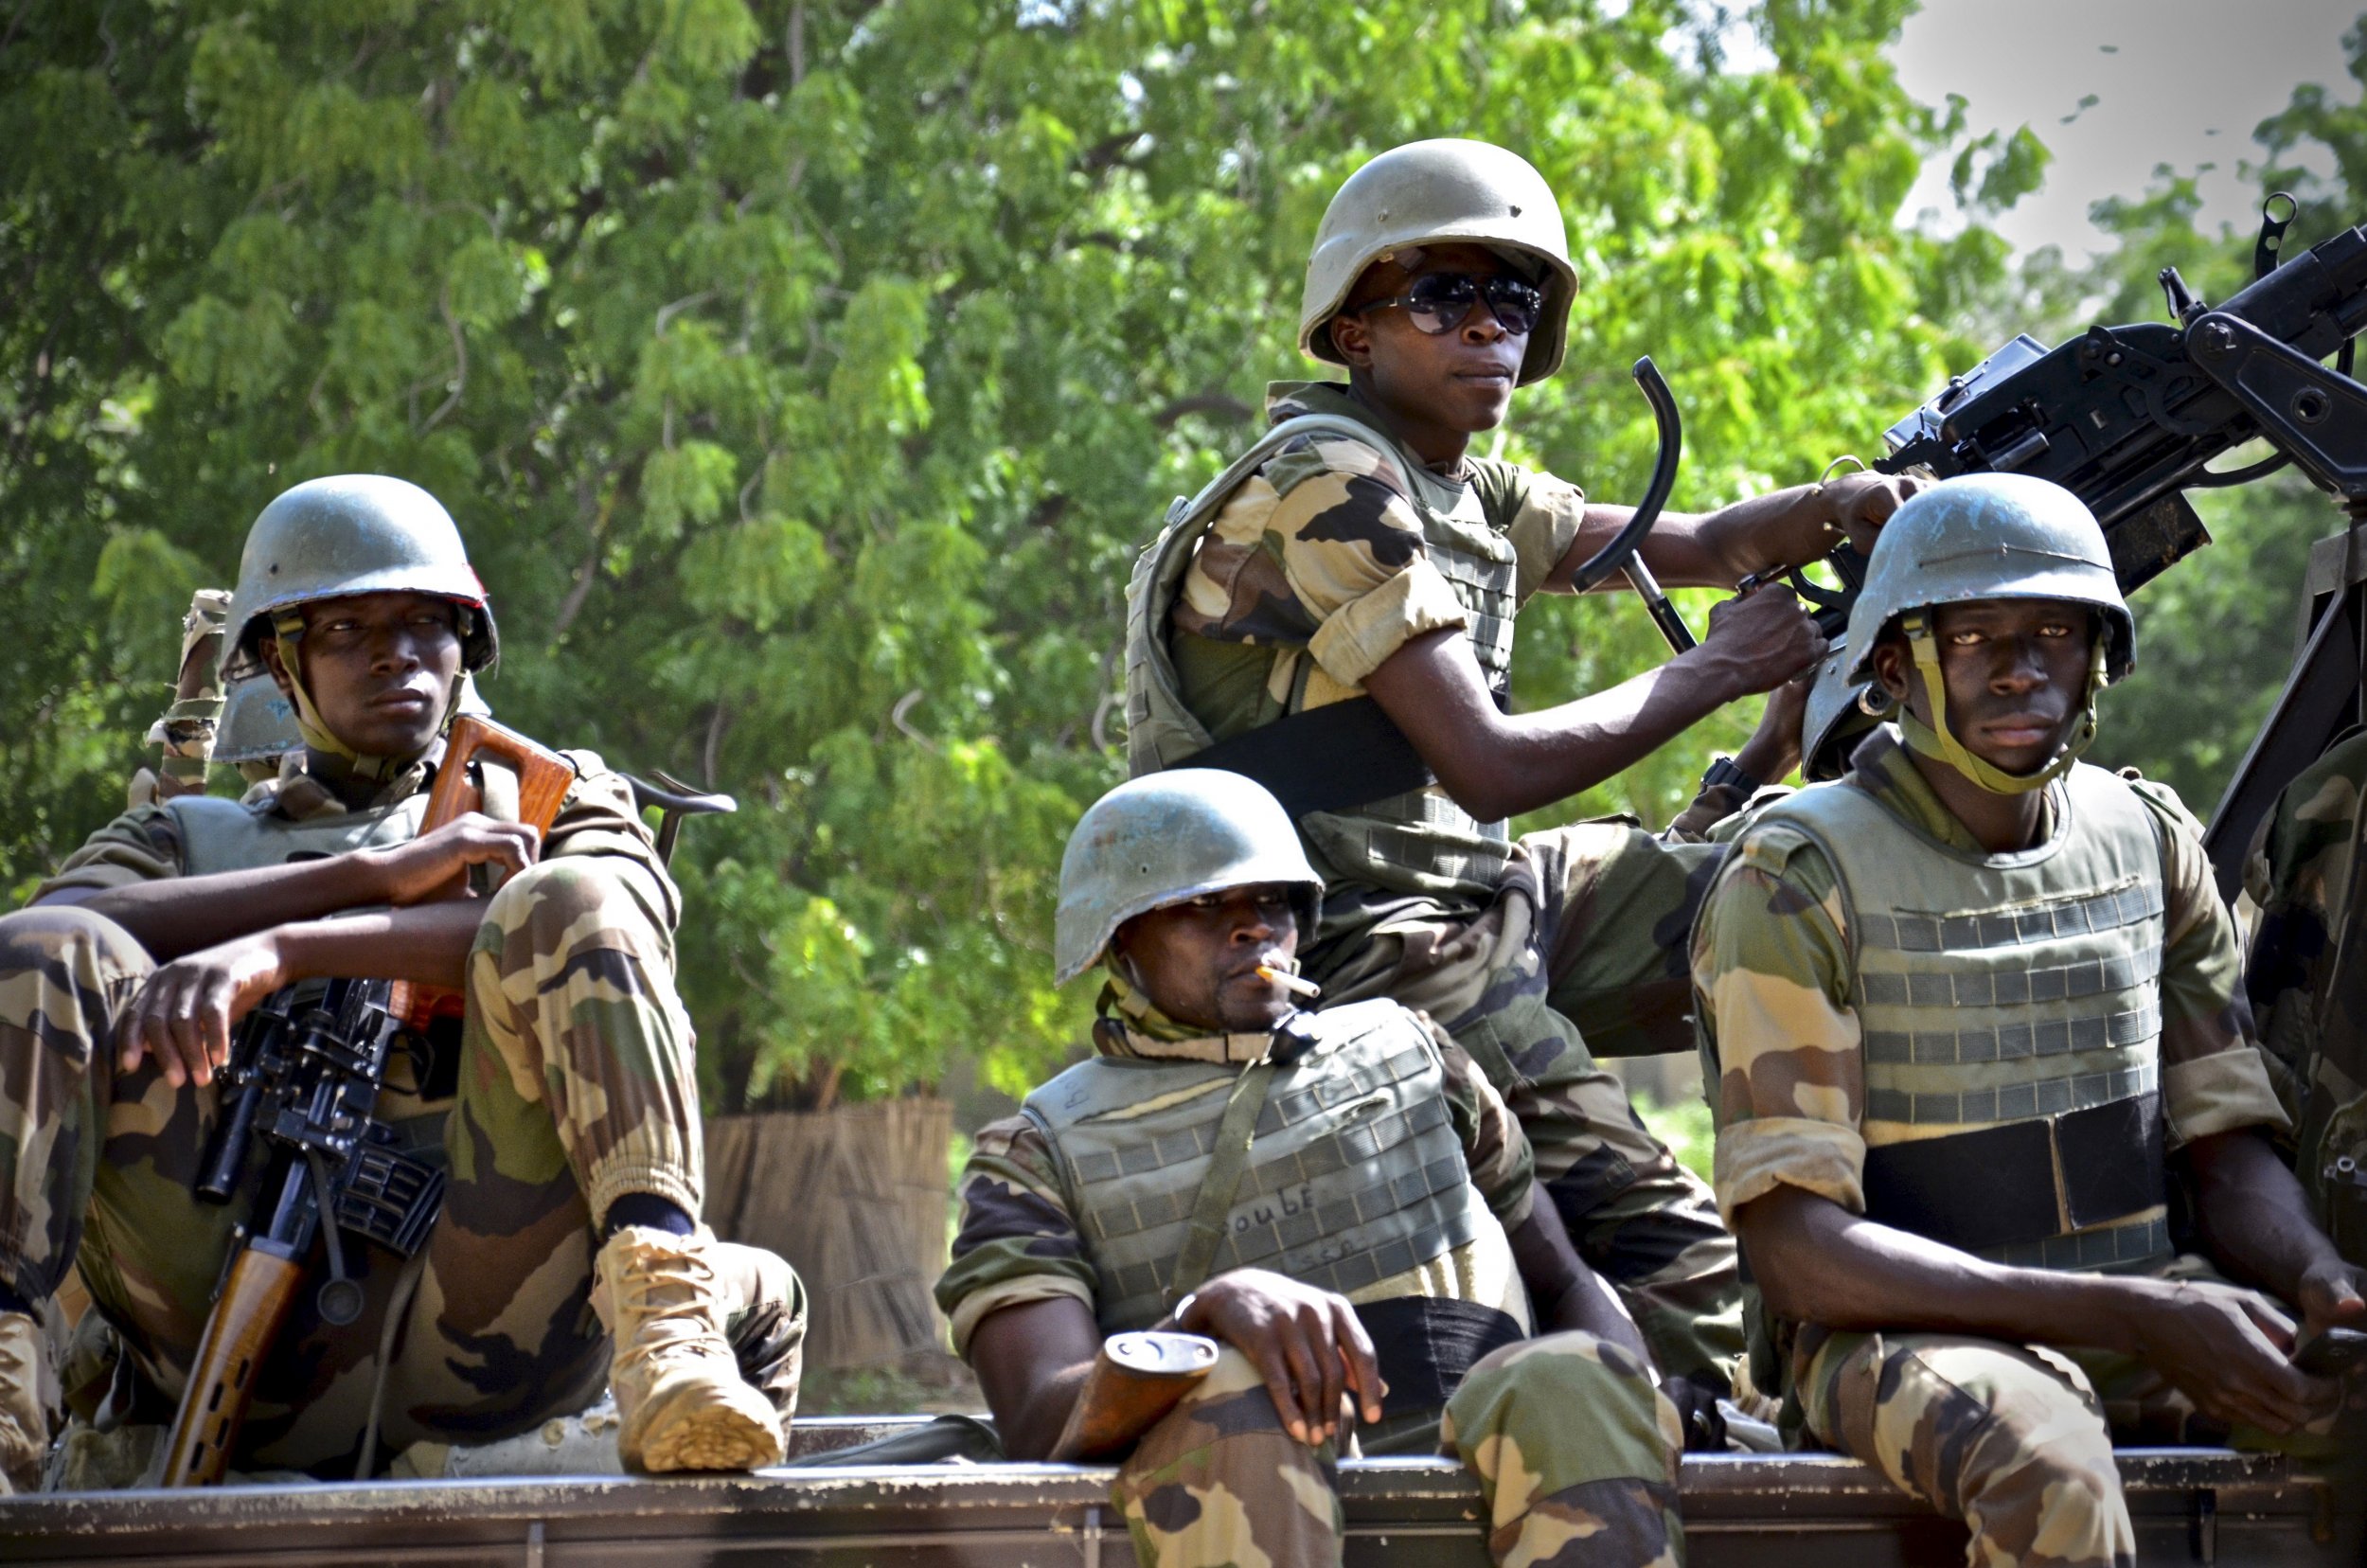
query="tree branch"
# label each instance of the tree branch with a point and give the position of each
(460, 362)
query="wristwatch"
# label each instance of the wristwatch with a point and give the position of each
(1727, 770)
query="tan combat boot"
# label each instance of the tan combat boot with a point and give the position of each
(27, 1394)
(679, 1394)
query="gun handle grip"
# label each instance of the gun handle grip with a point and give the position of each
(543, 779)
(543, 776)
(1135, 1381)
(238, 1334)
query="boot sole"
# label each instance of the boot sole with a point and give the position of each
(716, 1438)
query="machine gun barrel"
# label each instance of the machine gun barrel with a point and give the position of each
(2125, 418)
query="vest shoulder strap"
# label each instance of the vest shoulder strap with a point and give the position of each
(1160, 731)
(1206, 500)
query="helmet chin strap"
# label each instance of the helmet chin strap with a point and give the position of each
(1937, 741)
(287, 633)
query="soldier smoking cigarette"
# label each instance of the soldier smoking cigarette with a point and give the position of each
(1291, 983)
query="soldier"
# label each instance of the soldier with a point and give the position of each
(2307, 981)
(1349, 586)
(1960, 1008)
(568, 1254)
(1339, 1197)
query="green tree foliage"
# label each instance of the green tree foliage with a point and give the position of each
(805, 374)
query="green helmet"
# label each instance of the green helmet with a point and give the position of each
(1440, 192)
(336, 538)
(1840, 713)
(1988, 536)
(1164, 838)
(348, 534)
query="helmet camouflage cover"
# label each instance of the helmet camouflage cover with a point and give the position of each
(1440, 192)
(1162, 839)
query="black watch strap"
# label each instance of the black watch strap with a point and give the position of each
(1727, 770)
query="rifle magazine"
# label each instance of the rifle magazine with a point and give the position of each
(391, 1198)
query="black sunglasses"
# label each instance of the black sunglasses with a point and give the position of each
(1439, 302)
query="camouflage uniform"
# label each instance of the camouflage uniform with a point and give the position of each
(2302, 882)
(575, 1085)
(2015, 1439)
(1569, 1435)
(1537, 954)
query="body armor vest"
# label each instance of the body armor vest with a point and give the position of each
(1355, 1173)
(1420, 839)
(224, 835)
(2014, 997)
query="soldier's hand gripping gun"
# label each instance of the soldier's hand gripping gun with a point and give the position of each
(2128, 418)
(303, 1076)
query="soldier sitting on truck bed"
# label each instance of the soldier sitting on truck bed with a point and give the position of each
(1348, 587)
(1339, 1197)
(1958, 1008)
(566, 1110)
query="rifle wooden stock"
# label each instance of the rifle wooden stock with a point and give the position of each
(238, 1334)
(543, 776)
(543, 779)
(1135, 1381)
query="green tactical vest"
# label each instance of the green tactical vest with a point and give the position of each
(1420, 839)
(1355, 1173)
(224, 835)
(2014, 991)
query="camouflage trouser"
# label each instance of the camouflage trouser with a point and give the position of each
(1587, 940)
(576, 1085)
(1574, 1448)
(2016, 1440)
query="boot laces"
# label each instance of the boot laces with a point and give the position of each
(669, 1299)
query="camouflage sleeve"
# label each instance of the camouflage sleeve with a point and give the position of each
(142, 844)
(1539, 514)
(1018, 1241)
(599, 818)
(1503, 1165)
(2295, 880)
(1320, 548)
(2214, 1078)
(1770, 978)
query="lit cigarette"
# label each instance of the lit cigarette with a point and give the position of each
(1291, 983)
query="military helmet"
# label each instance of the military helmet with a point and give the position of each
(1166, 837)
(348, 534)
(1840, 713)
(1988, 536)
(1440, 192)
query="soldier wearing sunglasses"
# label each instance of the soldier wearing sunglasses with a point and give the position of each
(1333, 616)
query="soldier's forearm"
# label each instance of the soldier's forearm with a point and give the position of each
(1032, 1361)
(1715, 549)
(177, 915)
(428, 943)
(1816, 1262)
(2252, 1214)
(1563, 1293)
(1497, 765)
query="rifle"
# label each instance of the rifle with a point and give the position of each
(2129, 418)
(1134, 1383)
(303, 1076)
(540, 779)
